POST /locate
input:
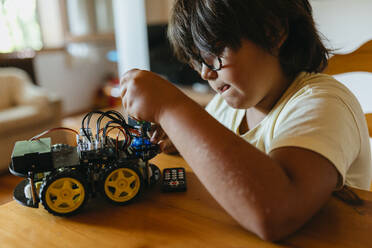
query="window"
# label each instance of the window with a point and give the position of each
(19, 27)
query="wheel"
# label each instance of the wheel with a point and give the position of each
(121, 184)
(63, 194)
(156, 174)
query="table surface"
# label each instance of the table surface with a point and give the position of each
(187, 219)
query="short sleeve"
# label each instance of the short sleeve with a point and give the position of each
(320, 122)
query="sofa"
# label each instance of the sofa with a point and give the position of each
(25, 111)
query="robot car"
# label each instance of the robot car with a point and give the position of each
(64, 177)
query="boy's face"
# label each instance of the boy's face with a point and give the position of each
(249, 77)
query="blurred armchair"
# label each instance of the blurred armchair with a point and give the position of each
(25, 111)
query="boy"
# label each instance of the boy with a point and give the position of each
(285, 137)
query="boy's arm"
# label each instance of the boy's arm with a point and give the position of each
(270, 195)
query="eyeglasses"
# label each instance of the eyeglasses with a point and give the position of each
(212, 61)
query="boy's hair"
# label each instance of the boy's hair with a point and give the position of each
(212, 25)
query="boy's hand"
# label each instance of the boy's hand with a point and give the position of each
(145, 95)
(159, 137)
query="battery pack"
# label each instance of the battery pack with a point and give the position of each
(32, 156)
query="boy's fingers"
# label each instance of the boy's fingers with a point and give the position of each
(125, 113)
(167, 147)
(154, 136)
(123, 91)
(128, 75)
(162, 145)
(124, 105)
(157, 135)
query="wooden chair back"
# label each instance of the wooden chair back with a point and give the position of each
(347, 68)
(355, 71)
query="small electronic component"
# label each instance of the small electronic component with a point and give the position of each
(174, 180)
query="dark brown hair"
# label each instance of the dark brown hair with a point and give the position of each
(211, 25)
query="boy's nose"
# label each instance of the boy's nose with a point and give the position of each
(208, 74)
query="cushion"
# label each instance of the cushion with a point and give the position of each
(22, 117)
(32, 95)
(16, 88)
(11, 81)
(5, 96)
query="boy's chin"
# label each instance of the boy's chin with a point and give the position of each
(236, 103)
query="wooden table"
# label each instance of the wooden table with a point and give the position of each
(190, 219)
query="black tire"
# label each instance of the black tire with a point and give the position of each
(121, 184)
(64, 193)
(156, 175)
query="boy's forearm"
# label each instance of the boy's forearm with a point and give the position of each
(245, 181)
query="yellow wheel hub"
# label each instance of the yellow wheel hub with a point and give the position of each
(65, 195)
(122, 184)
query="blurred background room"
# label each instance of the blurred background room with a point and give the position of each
(60, 59)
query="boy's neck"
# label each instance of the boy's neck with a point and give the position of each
(251, 119)
(274, 95)
(254, 115)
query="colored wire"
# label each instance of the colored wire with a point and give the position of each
(52, 130)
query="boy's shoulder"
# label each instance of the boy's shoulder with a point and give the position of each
(314, 81)
(317, 85)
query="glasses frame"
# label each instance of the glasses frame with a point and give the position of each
(201, 61)
(211, 67)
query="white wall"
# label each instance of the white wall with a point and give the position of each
(347, 24)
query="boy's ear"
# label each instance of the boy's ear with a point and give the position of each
(283, 38)
(283, 35)
(277, 35)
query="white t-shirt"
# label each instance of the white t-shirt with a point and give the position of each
(317, 113)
